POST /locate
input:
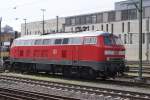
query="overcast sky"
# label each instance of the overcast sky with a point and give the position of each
(30, 9)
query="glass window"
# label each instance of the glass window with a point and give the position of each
(88, 19)
(93, 18)
(68, 21)
(99, 18)
(129, 14)
(106, 27)
(38, 42)
(21, 43)
(83, 20)
(131, 38)
(111, 16)
(25, 42)
(122, 27)
(90, 40)
(72, 21)
(132, 14)
(143, 38)
(125, 38)
(93, 27)
(46, 42)
(128, 26)
(117, 41)
(76, 41)
(65, 41)
(78, 20)
(58, 41)
(17, 43)
(102, 27)
(107, 40)
(32, 42)
(124, 15)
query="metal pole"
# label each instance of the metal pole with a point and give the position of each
(25, 26)
(140, 39)
(0, 37)
(57, 23)
(43, 20)
(147, 41)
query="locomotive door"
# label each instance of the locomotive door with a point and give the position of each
(75, 55)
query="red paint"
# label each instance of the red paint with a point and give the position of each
(82, 52)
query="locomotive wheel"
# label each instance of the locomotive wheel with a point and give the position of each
(12, 67)
(88, 73)
(66, 72)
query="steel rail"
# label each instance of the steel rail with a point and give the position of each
(83, 89)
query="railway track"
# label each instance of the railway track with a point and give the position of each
(15, 94)
(144, 63)
(134, 68)
(120, 94)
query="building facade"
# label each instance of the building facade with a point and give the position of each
(123, 21)
(129, 4)
(36, 27)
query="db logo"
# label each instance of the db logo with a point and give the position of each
(54, 51)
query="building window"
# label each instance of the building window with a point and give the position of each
(78, 20)
(147, 25)
(122, 27)
(106, 27)
(129, 14)
(83, 20)
(72, 21)
(144, 13)
(68, 21)
(92, 27)
(112, 28)
(132, 14)
(111, 16)
(99, 18)
(131, 38)
(125, 38)
(124, 15)
(102, 27)
(94, 17)
(71, 29)
(128, 27)
(143, 38)
(88, 19)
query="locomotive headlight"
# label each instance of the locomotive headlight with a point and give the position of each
(121, 52)
(109, 52)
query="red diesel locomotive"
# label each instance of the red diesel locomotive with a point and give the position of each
(84, 54)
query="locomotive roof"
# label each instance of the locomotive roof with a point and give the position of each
(64, 35)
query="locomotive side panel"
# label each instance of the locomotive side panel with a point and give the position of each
(80, 54)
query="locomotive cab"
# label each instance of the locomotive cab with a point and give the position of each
(114, 55)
